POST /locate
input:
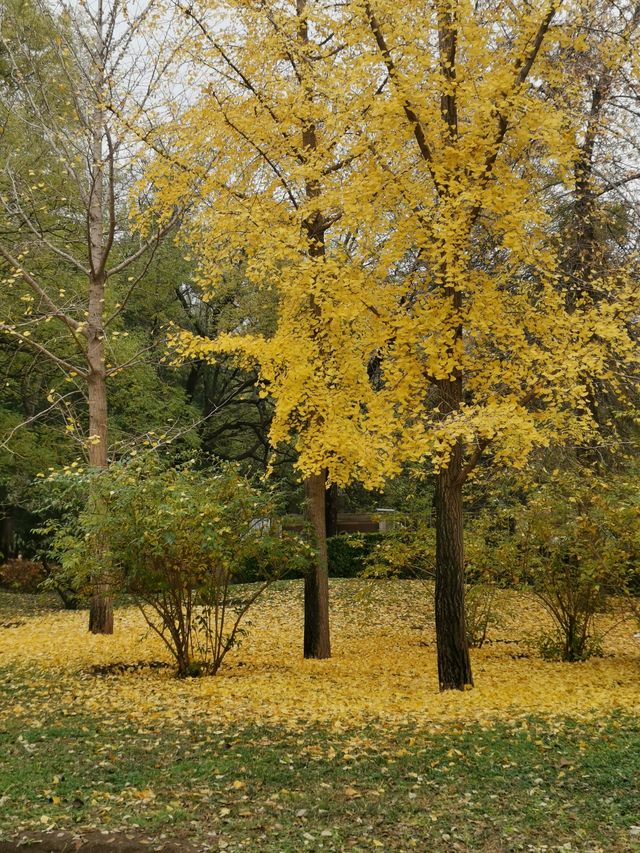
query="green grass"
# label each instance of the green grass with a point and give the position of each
(534, 785)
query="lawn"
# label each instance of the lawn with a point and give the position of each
(360, 752)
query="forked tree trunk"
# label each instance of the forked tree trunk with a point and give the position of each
(317, 643)
(454, 665)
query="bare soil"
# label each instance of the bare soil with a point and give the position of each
(91, 842)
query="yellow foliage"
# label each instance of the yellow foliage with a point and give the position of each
(428, 179)
(383, 670)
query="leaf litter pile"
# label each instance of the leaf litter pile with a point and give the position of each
(383, 668)
(276, 753)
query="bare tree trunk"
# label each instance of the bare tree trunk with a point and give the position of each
(317, 643)
(454, 665)
(101, 602)
(97, 393)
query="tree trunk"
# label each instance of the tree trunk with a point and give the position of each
(97, 388)
(101, 609)
(101, 601)
(454, 665)
(316, 583)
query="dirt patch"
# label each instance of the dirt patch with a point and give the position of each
(92, 842)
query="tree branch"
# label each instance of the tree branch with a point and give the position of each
(148, 244)
(482, 446)
(414, 121)
(26, 276)
(34, 345)
(522, 66)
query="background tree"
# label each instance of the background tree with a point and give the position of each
(70, 263)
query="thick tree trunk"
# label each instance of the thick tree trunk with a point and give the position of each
(316, 585)
(454, 665)
(101, 601)
(317, 643)
(101, 604)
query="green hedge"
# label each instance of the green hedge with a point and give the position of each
(348, 551)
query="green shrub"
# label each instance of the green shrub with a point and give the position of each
(552, 645)
(580, 544)
(481, 612)
(408, 551)
(58, 502)
(179, 540)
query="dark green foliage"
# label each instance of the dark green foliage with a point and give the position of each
(348, 553)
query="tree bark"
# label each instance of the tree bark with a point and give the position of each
(454, 664)
(317, 643)
(101, 609)
(101, 601)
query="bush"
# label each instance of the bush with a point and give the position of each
(491, 559)
(480, 612)
(348, 553)
(408, 551)
(179, 539)
(580, 544)
(56, 504)
(21, 575)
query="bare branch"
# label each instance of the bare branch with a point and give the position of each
(39, 233)
(26, 276)
(7, 439)
(151, 242)
(62, 363)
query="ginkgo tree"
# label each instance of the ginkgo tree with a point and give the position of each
(262, 157)
(392, 172)
(484, 343)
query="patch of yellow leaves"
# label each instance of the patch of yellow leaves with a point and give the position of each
(383, 668)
